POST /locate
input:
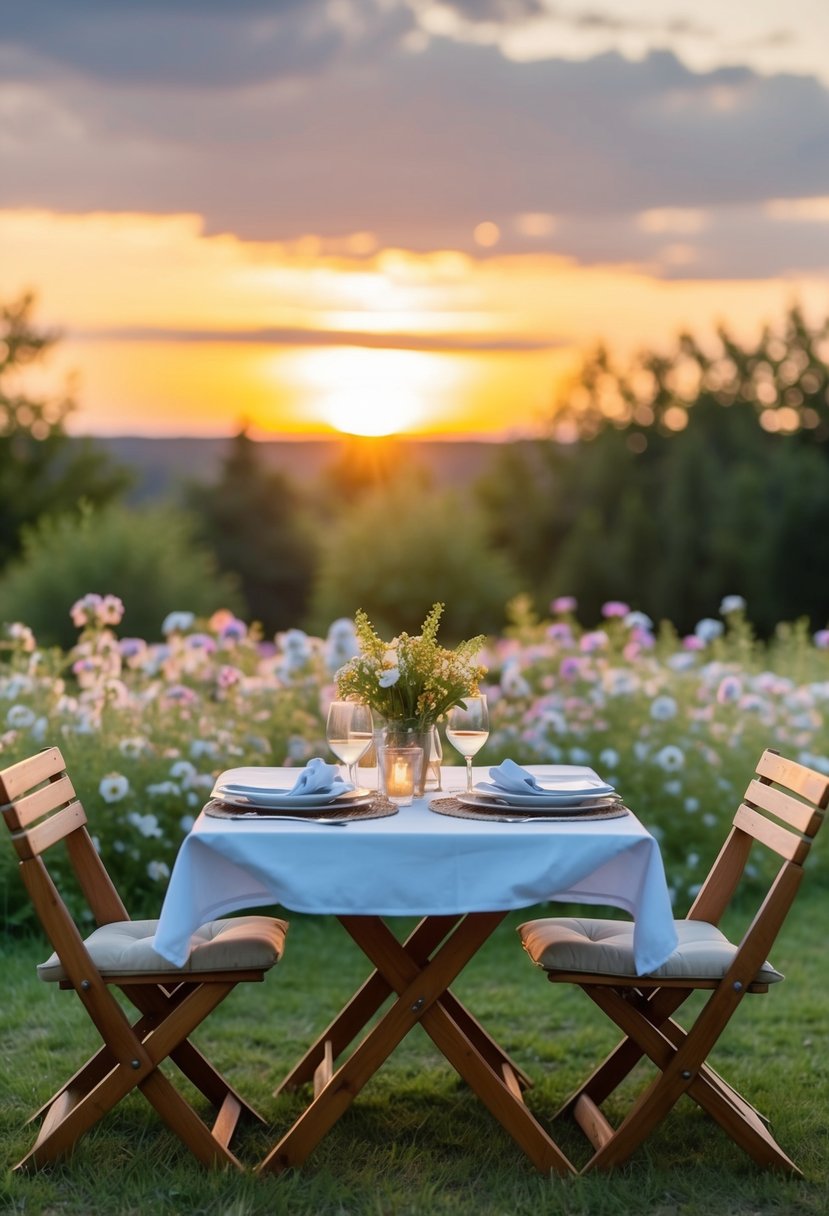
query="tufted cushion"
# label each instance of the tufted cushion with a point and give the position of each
(241, 943)
(605, 947)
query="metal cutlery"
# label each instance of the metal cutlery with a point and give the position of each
(328, 823)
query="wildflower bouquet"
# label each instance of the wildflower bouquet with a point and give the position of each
(410, 681)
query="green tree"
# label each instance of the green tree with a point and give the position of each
(400, 548)
(149, 558)
(42, 470)
(684, 478)
(253, 520)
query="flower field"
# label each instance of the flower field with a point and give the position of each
(677, 724)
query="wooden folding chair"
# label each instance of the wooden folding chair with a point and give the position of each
(782, 810)
(41, 809)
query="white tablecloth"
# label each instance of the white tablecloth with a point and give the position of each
(417, 863)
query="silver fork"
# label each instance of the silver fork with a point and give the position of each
(328, 823)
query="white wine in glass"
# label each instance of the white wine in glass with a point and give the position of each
(467, 729)
(350, 731)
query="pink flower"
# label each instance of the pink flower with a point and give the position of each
(591, 642)
(563, 604)
(615, 608)
(692, 642)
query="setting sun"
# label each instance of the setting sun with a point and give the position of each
(376, 392)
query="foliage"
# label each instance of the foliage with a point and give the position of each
(402, 546)
(41, 470)
(675, 723)
(148, 558)
(411, 681)
(687, 476)
(252, 520)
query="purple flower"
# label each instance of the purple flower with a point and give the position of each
(570, 668)
(729, 691)
(821, 639)
(560, 632)
(591, 642)
(130, 648)
(201, 641)
(181, 694)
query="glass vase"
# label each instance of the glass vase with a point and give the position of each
(398, 736)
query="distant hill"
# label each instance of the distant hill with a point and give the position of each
(162, 466)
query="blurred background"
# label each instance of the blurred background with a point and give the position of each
(306, 307)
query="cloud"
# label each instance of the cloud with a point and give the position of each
(277, 120)
(292, 337)
(180, 44)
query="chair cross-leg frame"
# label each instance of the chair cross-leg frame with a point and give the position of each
(419, 971)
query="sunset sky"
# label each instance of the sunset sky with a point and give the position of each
(398, 215)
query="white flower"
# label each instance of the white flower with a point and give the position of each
(147, 824)
(158, 870)
(692, 805)
(670, 758)
(186, 822)
(134, 747)
(609, 758)
(732, 603)
(113, 787)
(160, 789)
(663, 708)
(183, 771)
(388, 677)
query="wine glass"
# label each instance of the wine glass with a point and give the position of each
(350, 731)
(467, 729)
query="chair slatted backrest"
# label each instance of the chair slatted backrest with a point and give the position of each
(41, 809)
(782, 810)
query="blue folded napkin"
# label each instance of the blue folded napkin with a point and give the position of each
(510, 778)
(319, 778)
(316, 778)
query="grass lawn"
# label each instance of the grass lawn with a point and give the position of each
(417, 1140)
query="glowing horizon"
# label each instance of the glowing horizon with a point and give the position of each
(199, 333)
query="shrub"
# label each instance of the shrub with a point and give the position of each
(148, 558)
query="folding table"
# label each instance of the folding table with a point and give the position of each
(462, 877)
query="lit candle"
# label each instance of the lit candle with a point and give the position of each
(401, 768)
(401, 777)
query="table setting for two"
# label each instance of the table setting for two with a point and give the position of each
(512, 794)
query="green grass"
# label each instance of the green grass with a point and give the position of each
(416, 1140)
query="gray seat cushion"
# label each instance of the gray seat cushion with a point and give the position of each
(240, 943)
(605, 947)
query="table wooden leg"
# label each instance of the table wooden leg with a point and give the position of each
(496, 1086)
(421, 983)
(354, 1016)
(415, 997)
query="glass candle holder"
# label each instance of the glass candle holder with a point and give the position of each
(401, 772)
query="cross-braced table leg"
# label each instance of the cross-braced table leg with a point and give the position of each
(421, 980)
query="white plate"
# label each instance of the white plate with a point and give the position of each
(563, 804)
(568, 791)
(299, 802)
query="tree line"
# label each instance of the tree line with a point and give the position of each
(670, 482)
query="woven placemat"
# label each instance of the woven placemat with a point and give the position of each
(378, 808)
(451, 806)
